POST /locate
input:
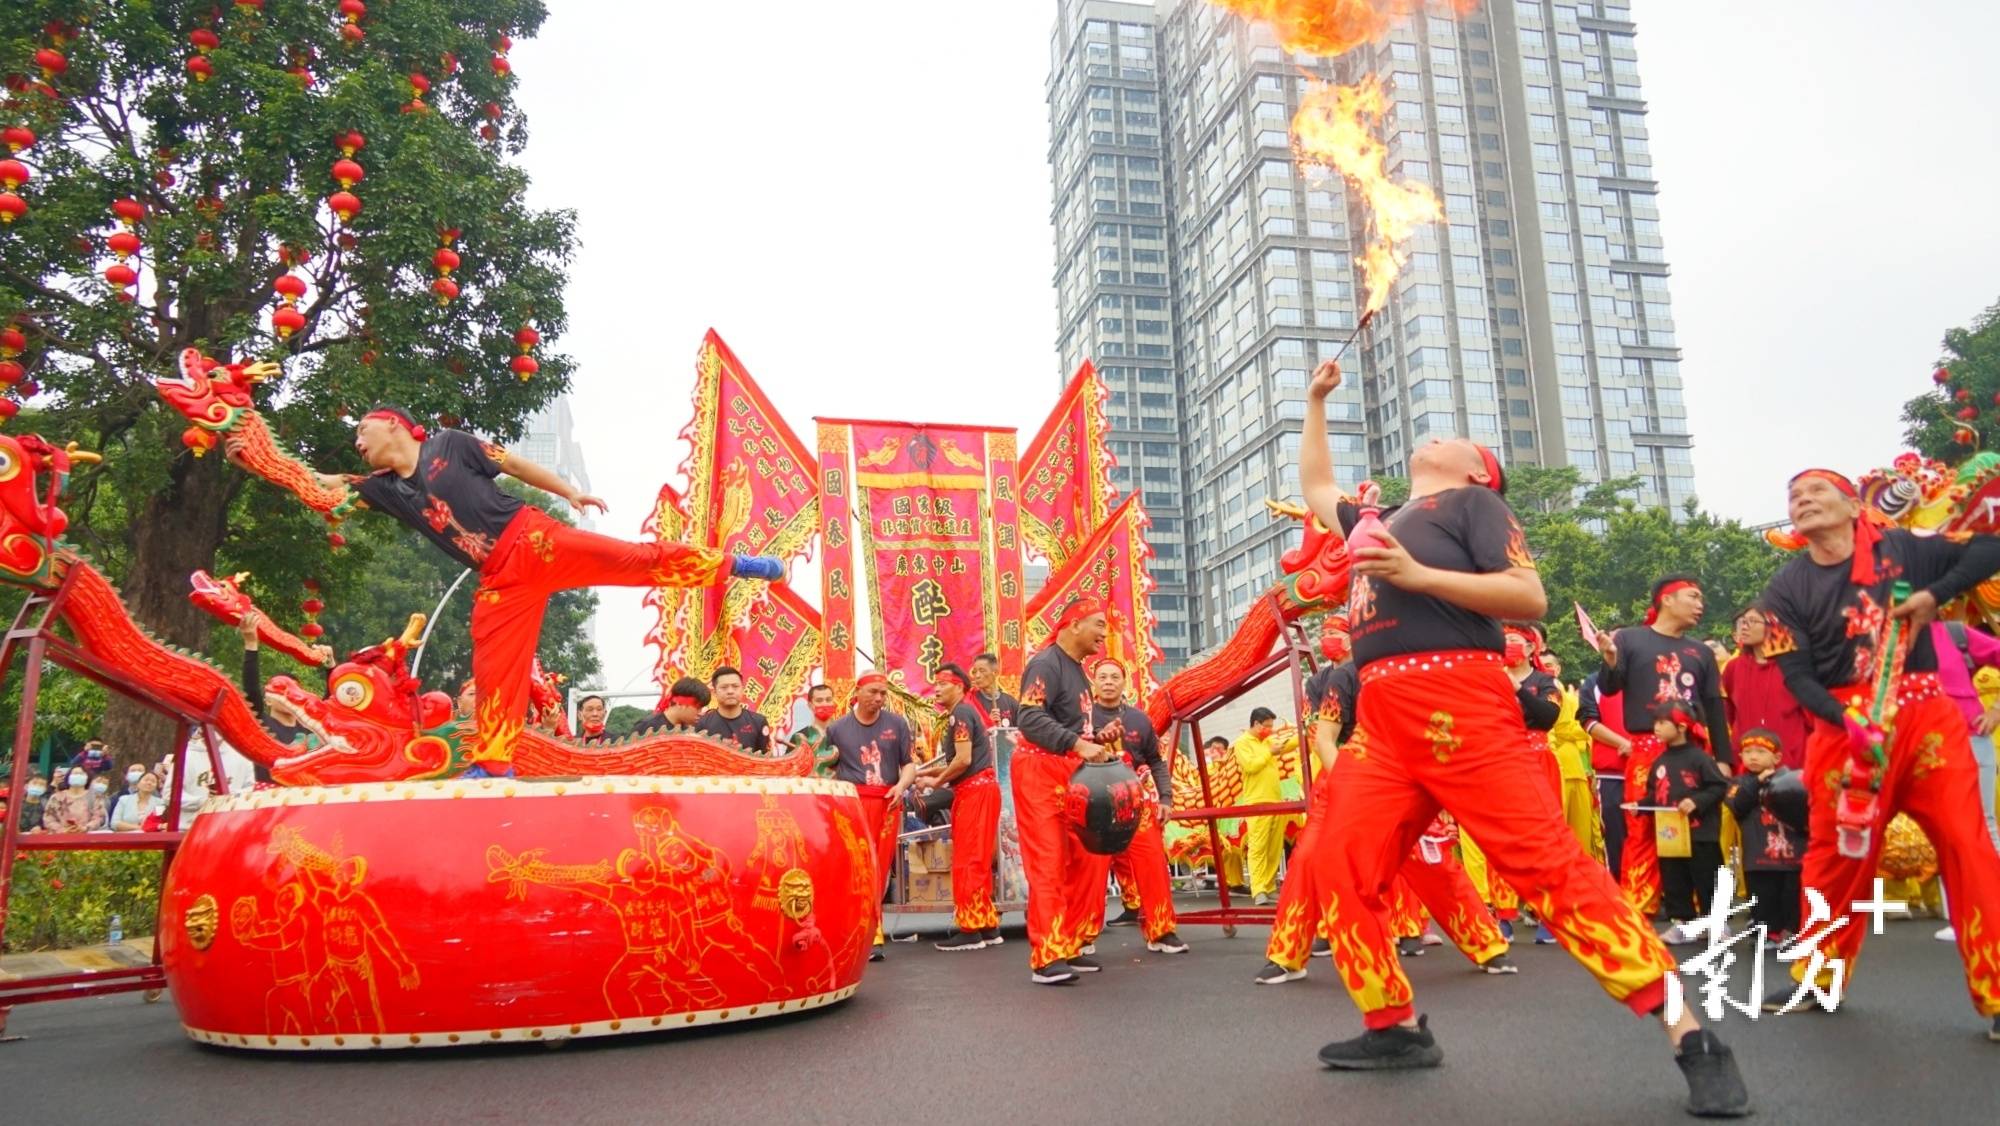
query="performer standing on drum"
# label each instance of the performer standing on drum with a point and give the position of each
(1054, 718)
(1439, 727)
(1143, 865)
(966, 765)
(441, 485)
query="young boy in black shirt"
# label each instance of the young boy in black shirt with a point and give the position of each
(1769, 800)
(1686, 778)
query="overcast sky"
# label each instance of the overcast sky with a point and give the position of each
(857, 198)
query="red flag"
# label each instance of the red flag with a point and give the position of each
(777, 650)
(1111, 566)
(672, 634)
(1065, 477)
(836, 567)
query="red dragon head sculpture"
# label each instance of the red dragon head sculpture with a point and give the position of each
(374, 723)
(31, 524)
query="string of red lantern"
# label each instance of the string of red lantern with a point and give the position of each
(312, 606)
(347, 172)
(445, 261)
(525, 365)
(12, 343)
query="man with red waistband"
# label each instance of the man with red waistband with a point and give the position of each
(1063, 876)
(441, 484)
(1430, 874)
(1439, 727)
(996, 708)
(966, 765)
(1142, 867)
(1651, 665)
(875, 750)
(1829, 609)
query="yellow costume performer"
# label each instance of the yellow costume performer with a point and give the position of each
(1259, 763)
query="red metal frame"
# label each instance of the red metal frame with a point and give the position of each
(1292, 653)
(33, 630)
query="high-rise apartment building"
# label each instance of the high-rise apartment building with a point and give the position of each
(548, 439)
(1534, 317)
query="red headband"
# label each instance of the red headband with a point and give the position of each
(869, 678)
(1867, 526)
(683, 702)
(952, 675)
(1653, 612)
(400, 419)
(1696, 731)
(1078, 610)
(1099, 662)
(1496, 478)
(1758, 739)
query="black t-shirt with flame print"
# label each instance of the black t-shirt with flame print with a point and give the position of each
(1467, 529)
(451, 498)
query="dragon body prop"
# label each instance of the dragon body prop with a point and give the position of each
(376, 724)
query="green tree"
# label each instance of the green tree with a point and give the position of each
(234, 176)
(1972, 363)
(620, 721)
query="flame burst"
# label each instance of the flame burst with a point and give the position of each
(1329, 27)
(1335, 131)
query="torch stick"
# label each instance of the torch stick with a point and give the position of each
(1363, 323)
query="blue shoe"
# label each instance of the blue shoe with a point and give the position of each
(1544, 936)
(478, 770)
(765, 567)
(1506, 929)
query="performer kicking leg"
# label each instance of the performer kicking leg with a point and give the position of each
(1440, 726)
(1829, 612)
(441, 485)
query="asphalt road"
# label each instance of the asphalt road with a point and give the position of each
(965, 1038)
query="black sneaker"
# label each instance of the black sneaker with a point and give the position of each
(1126, 918)
(1322, 948)
(1499, 964)
(1275, 974)
(1055, 973)
(1993, 1033)
(875, 955)
(1084, 963)
(1410, 947)
(1715, 1087)
(1385, 1049)
(962, 940)
(1168, 943)
(1776, 1001)
(993, 936)
(1238, 889)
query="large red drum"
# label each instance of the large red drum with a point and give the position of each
(427, 914)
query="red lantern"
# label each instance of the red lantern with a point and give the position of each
(286, 320)
(121, 275)
(368, 357)
(28, 388)
(350, 142)
(348, 172)
(1964, 395)
(129, 211)
(291, 287)
(198, 440)
(12, 343)
(525, 366)
(447, 235)
(17, 137)
(352, 33)
(336, 540)
(313, 631)
(312, 606)
(1941, 376)
(419, 85)
(446, 289)
(527, 338)
(348, 241)
(12, 207)
(345, 205)
(416, 106)
(204, 40)
(9, 408)
(51, 61)
(446, 260)
(11, 373)
(353, 10)
(1968, 413)
(200, 67)
(501, 67)
(123, 243)
(13, 174)
(488, 133)
(310, 584)
(493, 110)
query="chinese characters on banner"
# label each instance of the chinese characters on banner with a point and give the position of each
(836, 571)
(750, 491)
(1006, 524)
(777, 650)
(1065, 476)
(921, 491)
(1111, 565)
(672, 634)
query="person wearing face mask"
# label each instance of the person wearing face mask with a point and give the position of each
(139, 804)
(79, 807)
(33, 805)
(813, 735)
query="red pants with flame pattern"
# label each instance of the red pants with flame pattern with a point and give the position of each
(975, 835)
(1443, 730)
(536, 557)
(1933, 778)
(1442, 888)
(1142, 875)
(1641, 876)
(883, 848)
(1063, 876)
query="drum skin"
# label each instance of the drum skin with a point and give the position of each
(430, 914)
